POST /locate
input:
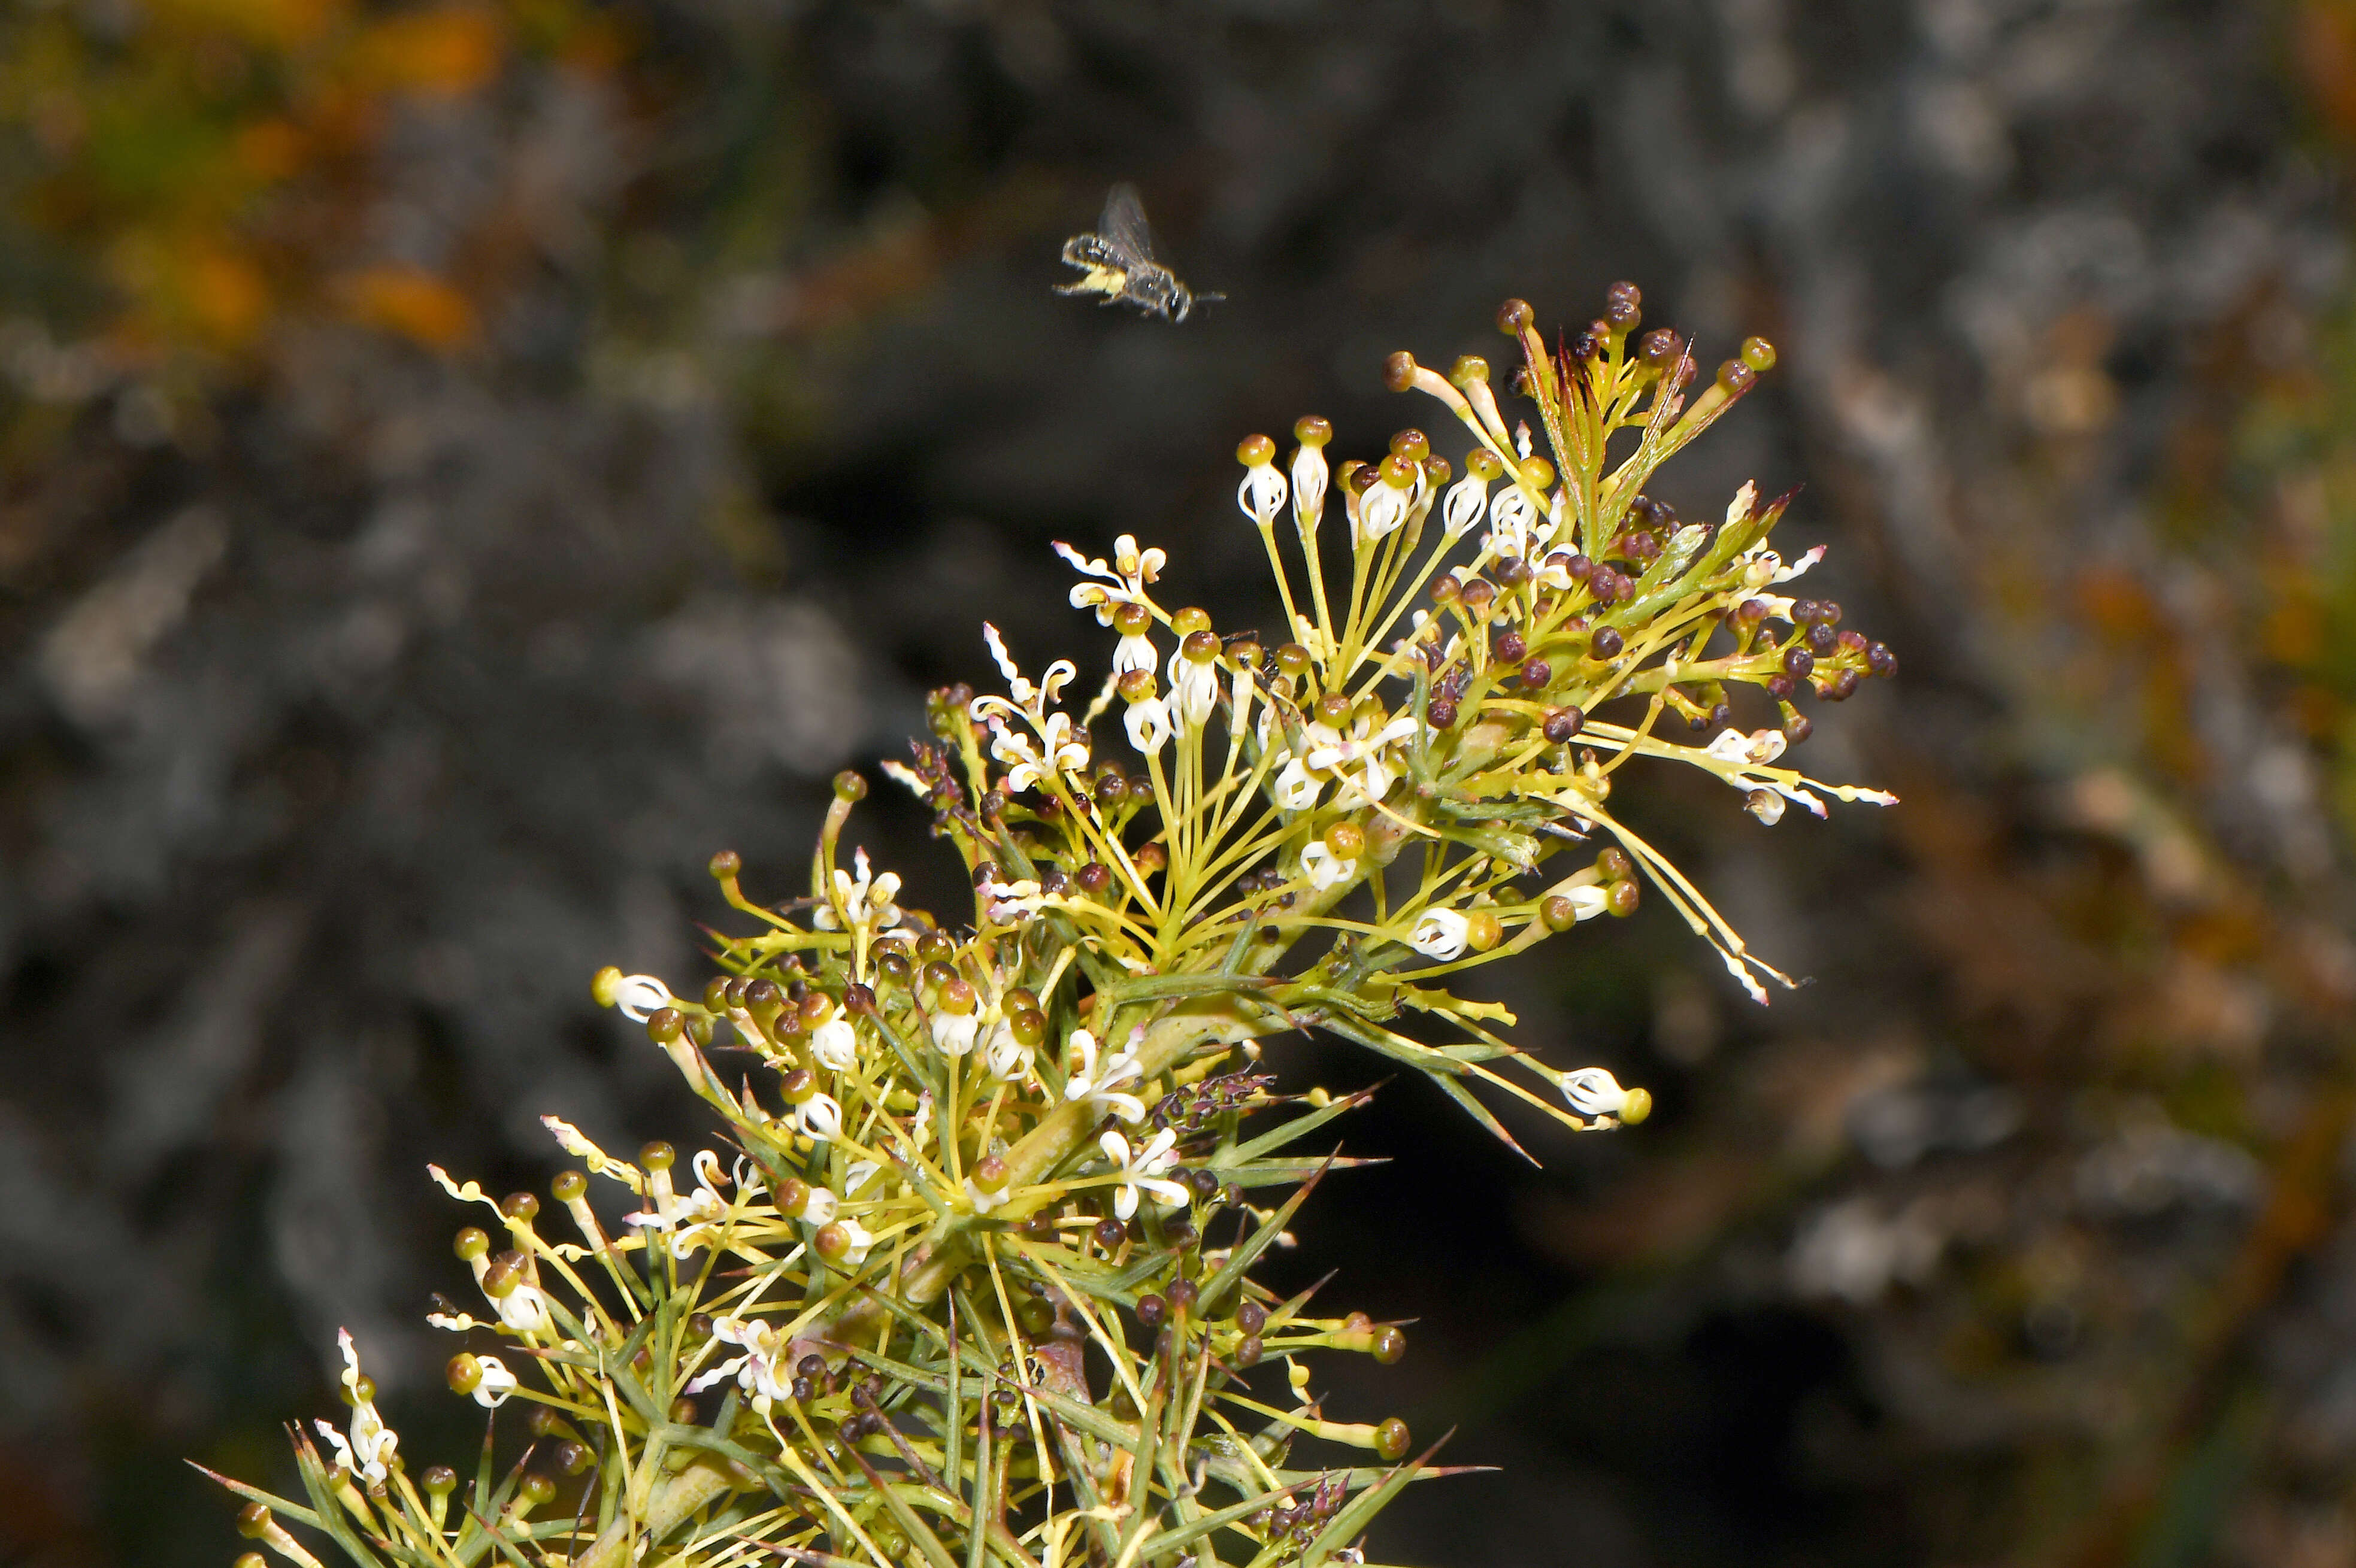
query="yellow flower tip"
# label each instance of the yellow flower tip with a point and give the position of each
(1639, 1106)
(604, 985)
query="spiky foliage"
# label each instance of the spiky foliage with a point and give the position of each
(973, 1279)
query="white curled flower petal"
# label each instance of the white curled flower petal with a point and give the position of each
(1441, 935)
(1381, 510)
(1004, 1057)
(1465, 501)
(862, 1242)
(1546, 530)
(1296, 789)
(1586, 902)
(835, 1043)
(1766, 806)
(820, 1207)
(1148, 723)
(1133, 652)
(820, 1116)
(1146, 1170)
(1310, 476)
(1194, 690)
(1324, 868)
(1510, 517)
(1593, 1091)
(524, 1309)
(497, 1384)
(1100, 1085)
(639, 995)
(1014, 682)
(369, 1449)
(1262, 494)
(1785, 574)
(1757, 749)
(953, 1033)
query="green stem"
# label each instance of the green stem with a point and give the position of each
(675, 1500)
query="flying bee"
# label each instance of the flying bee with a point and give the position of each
(1119, 264)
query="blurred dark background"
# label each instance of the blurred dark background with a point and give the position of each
(461, 464)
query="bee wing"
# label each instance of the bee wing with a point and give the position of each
(1123, 223)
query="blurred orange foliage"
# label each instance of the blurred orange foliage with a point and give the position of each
(218, 156)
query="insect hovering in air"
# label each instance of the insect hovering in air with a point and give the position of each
(1119, 264)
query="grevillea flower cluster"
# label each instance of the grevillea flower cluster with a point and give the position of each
(967, 1273)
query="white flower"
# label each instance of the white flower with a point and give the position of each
(835, 1043)
(1324, 868)
(953, 1033)
(368, 1451)
(983, 1202)
(1510, 517)
(1131, 571)
(1296, 787)
(1193, 688)
(1146, 1170)
(1757, 749)
(1767, 567)
(1148, 723)
(1134, 651)
(1330, 751)
(861, 1243)
(1588, 902)
(1262, 494)
(763, 1371)
(1004, 1057)
(1593, 1091)
(524, 1309)
(1027, 762)
(1101, 1088)
(496, 1383)
(1441, 933)
(820, 1116)
(1466, 500)
(1766, 806)
(1027, 699)
(1002, 900)
(1381, 510)
(699, 1209)
(820, 1207)
(865, 901)
(1308, 479)
(638, 995)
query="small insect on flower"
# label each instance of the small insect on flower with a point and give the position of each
(1118, 262)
